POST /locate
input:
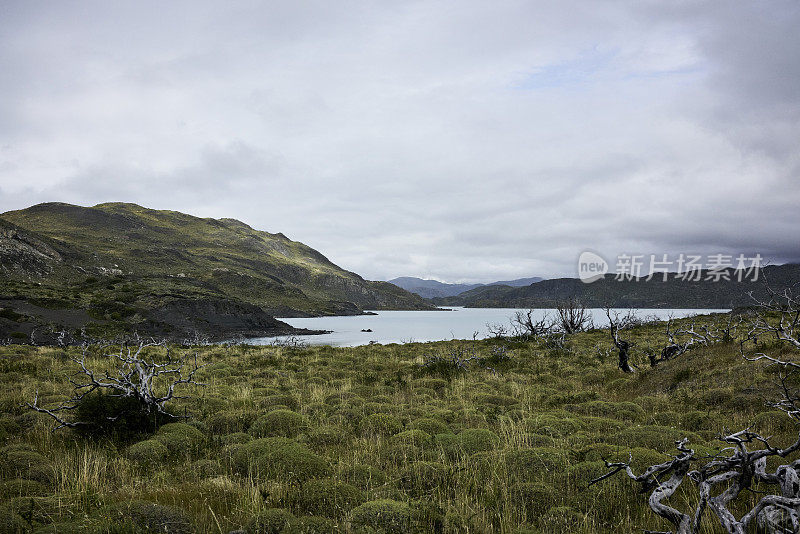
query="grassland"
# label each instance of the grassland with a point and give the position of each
(365, 439)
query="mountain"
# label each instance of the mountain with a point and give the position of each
(434, 288)
(130, 267)
(637, 293)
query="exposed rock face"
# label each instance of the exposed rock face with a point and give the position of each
(21, 253)
(229, 319)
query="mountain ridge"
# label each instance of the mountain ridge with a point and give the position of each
(428, 288)
(637, 293)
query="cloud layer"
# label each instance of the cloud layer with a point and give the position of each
(459, 140)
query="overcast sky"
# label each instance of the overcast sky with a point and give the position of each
(464, 140)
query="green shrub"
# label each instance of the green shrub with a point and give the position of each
(698, 420)
(280, 400)
(626, 411)
(666, 418)
(364, 476)
(279, 458)
(326, 436)
(422, 477)
(181, 439)
(526, 464)
(148, 517)
(467, 442)
(659, 438)
(554, 425)
(269, 521)
(230, 422)
(11, 522)
(574, 397)
(474, 440)
(147, 453)
(426, 516)
(538, 440)
(416, 438)
(330, 497)
(774, 422)
(534, 498)
(715, 397)
(342, 397)
(19, 487)
(236, 438)
(311, 525)
(20, 462)
(377, 407)
(388, 516)
(207, 468)
(495, 399)
(347, 416)
(642, 458)
(580, 474)
(284, 423)
(124, 417)
(562, 519)
(437, 384)
(430, 425)
(380, 424)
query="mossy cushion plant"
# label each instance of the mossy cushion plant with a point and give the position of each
(270, 521)
(285, 423)
(147, 453)
(279, 458)
(430, 425)
(386, 515)
(148, 517)
(328, 497)
(181, 439)
(380, 425)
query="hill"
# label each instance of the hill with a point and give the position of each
(637, 293)
(434, 288)
(163, 270)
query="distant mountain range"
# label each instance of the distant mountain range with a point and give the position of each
(637, 293)
(435, 289)
(121, 267)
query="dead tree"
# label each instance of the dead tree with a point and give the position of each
(497, 330)
(721, 479)
(778, 316)
(572, 316)
(733, 474)
(682, 340)
(148, 383)
(525, 325)
(623, 346)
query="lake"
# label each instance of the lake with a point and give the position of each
(417, 326)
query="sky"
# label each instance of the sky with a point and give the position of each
(460, 140)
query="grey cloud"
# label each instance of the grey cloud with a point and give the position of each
(460, 140)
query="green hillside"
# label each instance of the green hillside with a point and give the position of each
(125, 263)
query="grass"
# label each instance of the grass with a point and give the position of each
(362, 439)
